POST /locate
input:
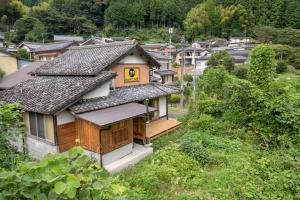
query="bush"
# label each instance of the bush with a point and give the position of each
(188, 78)
(23, 54)
(174, 98)
(2, 73)
(241, 72)
(187, 91)
(281, 66)
(195, 150)
(72, 175)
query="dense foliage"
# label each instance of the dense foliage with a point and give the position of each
(11, 127)
(262, 65)
(221, 58)
(64, 176)
(138, 18)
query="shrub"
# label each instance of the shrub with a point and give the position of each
(221, 58)
(281, 66)
(174, 98)
(262, 65)
(241, 72)
(72, 175)
(196, 150)
(2, 73)
(188, 78)
(23, 54)
(187, 91)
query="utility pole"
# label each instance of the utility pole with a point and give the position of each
(182, 69)
(170, 43)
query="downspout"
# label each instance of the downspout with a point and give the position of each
(147, 109)
(100, 155)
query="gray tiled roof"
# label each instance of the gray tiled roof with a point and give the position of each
(164, 72)
(51, 94)
(90, 60)
(55, 46)
(158, 55)
(19, 76)
(124, 95)
(31, 45)
(68, 38)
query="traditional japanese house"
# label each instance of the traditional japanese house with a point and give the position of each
(98, 97)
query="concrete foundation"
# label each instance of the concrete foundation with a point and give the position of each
(138, 153)
(93, 155)
(116, 154)
(39, 149)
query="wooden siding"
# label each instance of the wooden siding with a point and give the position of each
(88, 135)
(116, 135)
(66, 136)
(139, 128)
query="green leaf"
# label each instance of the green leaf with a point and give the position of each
(75, 151)
(118, 189)
(71, 192)
(52, 195)
(73, 181)
(59, 187)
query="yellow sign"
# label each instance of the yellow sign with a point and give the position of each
(131, 74)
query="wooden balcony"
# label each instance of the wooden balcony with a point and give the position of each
(160, 127)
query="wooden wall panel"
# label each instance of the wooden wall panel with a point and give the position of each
(139, 129)
(117, 135)
(66, 136)
(88, 135)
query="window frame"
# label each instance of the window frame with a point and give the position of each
(37, 122)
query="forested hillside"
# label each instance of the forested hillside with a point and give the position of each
(198, 18)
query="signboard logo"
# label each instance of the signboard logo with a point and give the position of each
(132, 74)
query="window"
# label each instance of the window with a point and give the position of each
(37, 125)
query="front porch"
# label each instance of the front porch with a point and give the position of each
(160, 127)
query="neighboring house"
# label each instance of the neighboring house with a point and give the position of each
(19, 76)
(98, 97)
(8, 62)
(30, 47)
(1, 40)
(240, 56)
(201, 64)
(191, 54)
(98, 40)
(49, 51)
(201, 45)
(164, 61)
(70, 38)
(163, 48)
(162, 74)
(218, 42)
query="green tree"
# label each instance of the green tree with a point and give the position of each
(14, 10)
(262, 65)
(221, 58)
(31, 26)
(23, 54)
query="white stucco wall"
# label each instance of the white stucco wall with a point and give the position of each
(101, 91)
(65, 117)
(135, 58)
(162, 106)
